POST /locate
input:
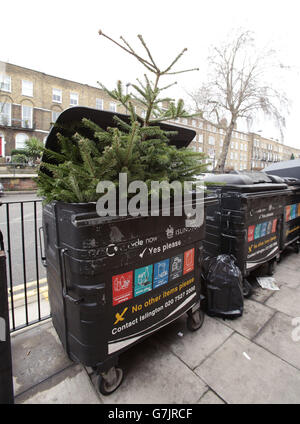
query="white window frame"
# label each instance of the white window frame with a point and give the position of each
(200, 138)
(27, 88)
(26, 118)
(5, 115)
(54, 115)
(21, 144)
(113, 107)
(99, 103)
(2, 145)
(5, 80)
(56, 92)
(74, 99)
(211, 140)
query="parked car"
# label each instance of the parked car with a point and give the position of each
(1, 190)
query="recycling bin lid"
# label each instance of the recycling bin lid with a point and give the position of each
(259, 177)
(287, 168)
(245, 181)
(105, 119)
(292, 181)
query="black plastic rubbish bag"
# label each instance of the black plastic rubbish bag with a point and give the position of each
(224, 287)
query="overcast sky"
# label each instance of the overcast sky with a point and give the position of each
(61, 38)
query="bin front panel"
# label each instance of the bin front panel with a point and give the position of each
(251, 227)
(291, 218)
(120, 278)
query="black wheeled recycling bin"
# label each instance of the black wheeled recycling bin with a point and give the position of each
(291, 218)
(248, 221)
(115, 280)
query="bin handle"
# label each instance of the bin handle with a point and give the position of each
(64, 280)
(42, 253)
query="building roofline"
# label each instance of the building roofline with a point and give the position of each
(97, 88)
(49, 75)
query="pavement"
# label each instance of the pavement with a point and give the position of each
(254, 359)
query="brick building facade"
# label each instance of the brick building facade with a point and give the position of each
(30, 101)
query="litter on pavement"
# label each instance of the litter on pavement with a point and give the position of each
(267, 283)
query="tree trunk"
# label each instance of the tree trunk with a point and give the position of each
(222, 159)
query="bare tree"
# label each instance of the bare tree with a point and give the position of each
(238, 88)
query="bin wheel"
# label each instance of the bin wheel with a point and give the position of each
(247, 288)
(108, 382)
(271, 267)
(194, 321)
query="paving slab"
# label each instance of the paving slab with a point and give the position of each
(37, 354)
(210, 398)
(242, 372)
(193, 347)
(71, 386)
(277, 337)
(261, 295)
(287, 276)
(254, 317)
(32, 311)
(286, 300)
(154, 375)
(289, 258)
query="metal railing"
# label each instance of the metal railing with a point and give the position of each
(27, 285)
(6, 381)
(20, 124)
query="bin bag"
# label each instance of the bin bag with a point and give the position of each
(224, 287)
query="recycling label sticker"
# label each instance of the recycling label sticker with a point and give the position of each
(122, 287)
(143, 280)
(269, 227)
(188, 261)
(274, 225)
(176, 266)
(251, 233)
(263, 229)
(257, 231)
(161, 273)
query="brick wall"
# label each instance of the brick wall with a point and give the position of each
(43, 105)
(18, 184)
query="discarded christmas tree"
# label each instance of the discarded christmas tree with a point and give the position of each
(89, 154)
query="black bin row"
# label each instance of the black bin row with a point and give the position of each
(257, 217)
(115, 280)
